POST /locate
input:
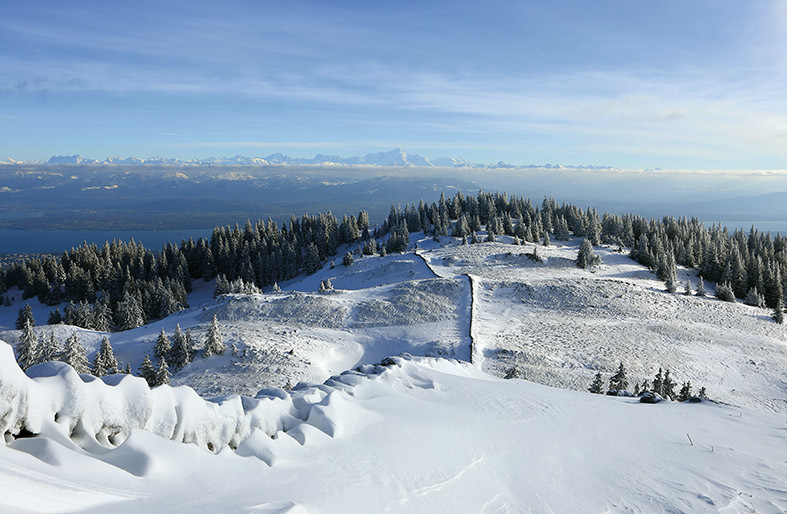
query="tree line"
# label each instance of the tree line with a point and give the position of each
(120, 285)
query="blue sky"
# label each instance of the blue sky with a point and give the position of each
(632, 84)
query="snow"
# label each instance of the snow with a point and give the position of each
(415, 435)
(436, 432)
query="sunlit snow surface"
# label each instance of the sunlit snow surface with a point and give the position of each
(416, 435)
(420, 434)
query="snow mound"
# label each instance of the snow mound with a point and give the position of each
(83, 412)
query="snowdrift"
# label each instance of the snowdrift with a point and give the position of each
(411, 434)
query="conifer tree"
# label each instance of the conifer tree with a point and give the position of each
(147, 371)
(55, 318)
(129, 312)
(49, 348)
(27, 351)
(724, 292)
(701, 288)
(778, 313)
(179, 355)
(25, 314)
(348, 259)
(668, 387)
(587, 258)
(687, 288)
(214, 345)
(685, 392)
(75, 354)
(658, 383)
(598, 384)
(162, 373)
(190, 345)
(163, 346)
(618, 381)
(105, 362)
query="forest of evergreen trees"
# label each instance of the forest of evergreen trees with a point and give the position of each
(120, 285)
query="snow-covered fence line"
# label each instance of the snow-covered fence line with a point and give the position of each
(474, 359)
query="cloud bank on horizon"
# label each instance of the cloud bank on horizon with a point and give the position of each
(630, 85)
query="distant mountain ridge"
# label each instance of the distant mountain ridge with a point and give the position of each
(391, 158)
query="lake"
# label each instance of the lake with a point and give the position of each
(57, 241)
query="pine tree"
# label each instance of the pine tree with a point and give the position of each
(348, 259)
(658, 383)
(75, 355)
(668, 387)
(778, 313)
(724, 292)
(25, 314)
(129, 313)
(701, 288)
(162, 373)
(179, 355)
(214, 344)
(163, 346)
(687, 289)
(49, 348)
(703, 394)
(190, 345)
(55, 318)
(147, 371)
(586, 258)
(618, 381)
(598, 384)
(27, 351)
(105, 362)
(685, 392)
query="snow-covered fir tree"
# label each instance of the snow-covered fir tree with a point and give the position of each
(147, 371)
(587, 258)
(214, 344)
(598, 384)
(105, 362)
(163, 374)
(27, 350)
(49, 348)
(163, 346)
(25, 315)
(129, 312)
(180, 353)
(685, 392)
(55, 317)
(348, 259)
(668, 386)
(778, 313)
(701, 288)
(724, 292)
(75, 354)
(618, 381)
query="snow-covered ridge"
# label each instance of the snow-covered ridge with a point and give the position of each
(391, 158)
(97, 415)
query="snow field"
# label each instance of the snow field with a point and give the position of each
(557, 324)
(411, 435)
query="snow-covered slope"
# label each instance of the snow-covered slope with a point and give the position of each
(549, 322)
(412, 435)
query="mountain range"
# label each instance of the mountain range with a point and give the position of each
(391, 158)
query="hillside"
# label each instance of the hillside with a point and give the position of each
(413, 435)
(551, 322)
